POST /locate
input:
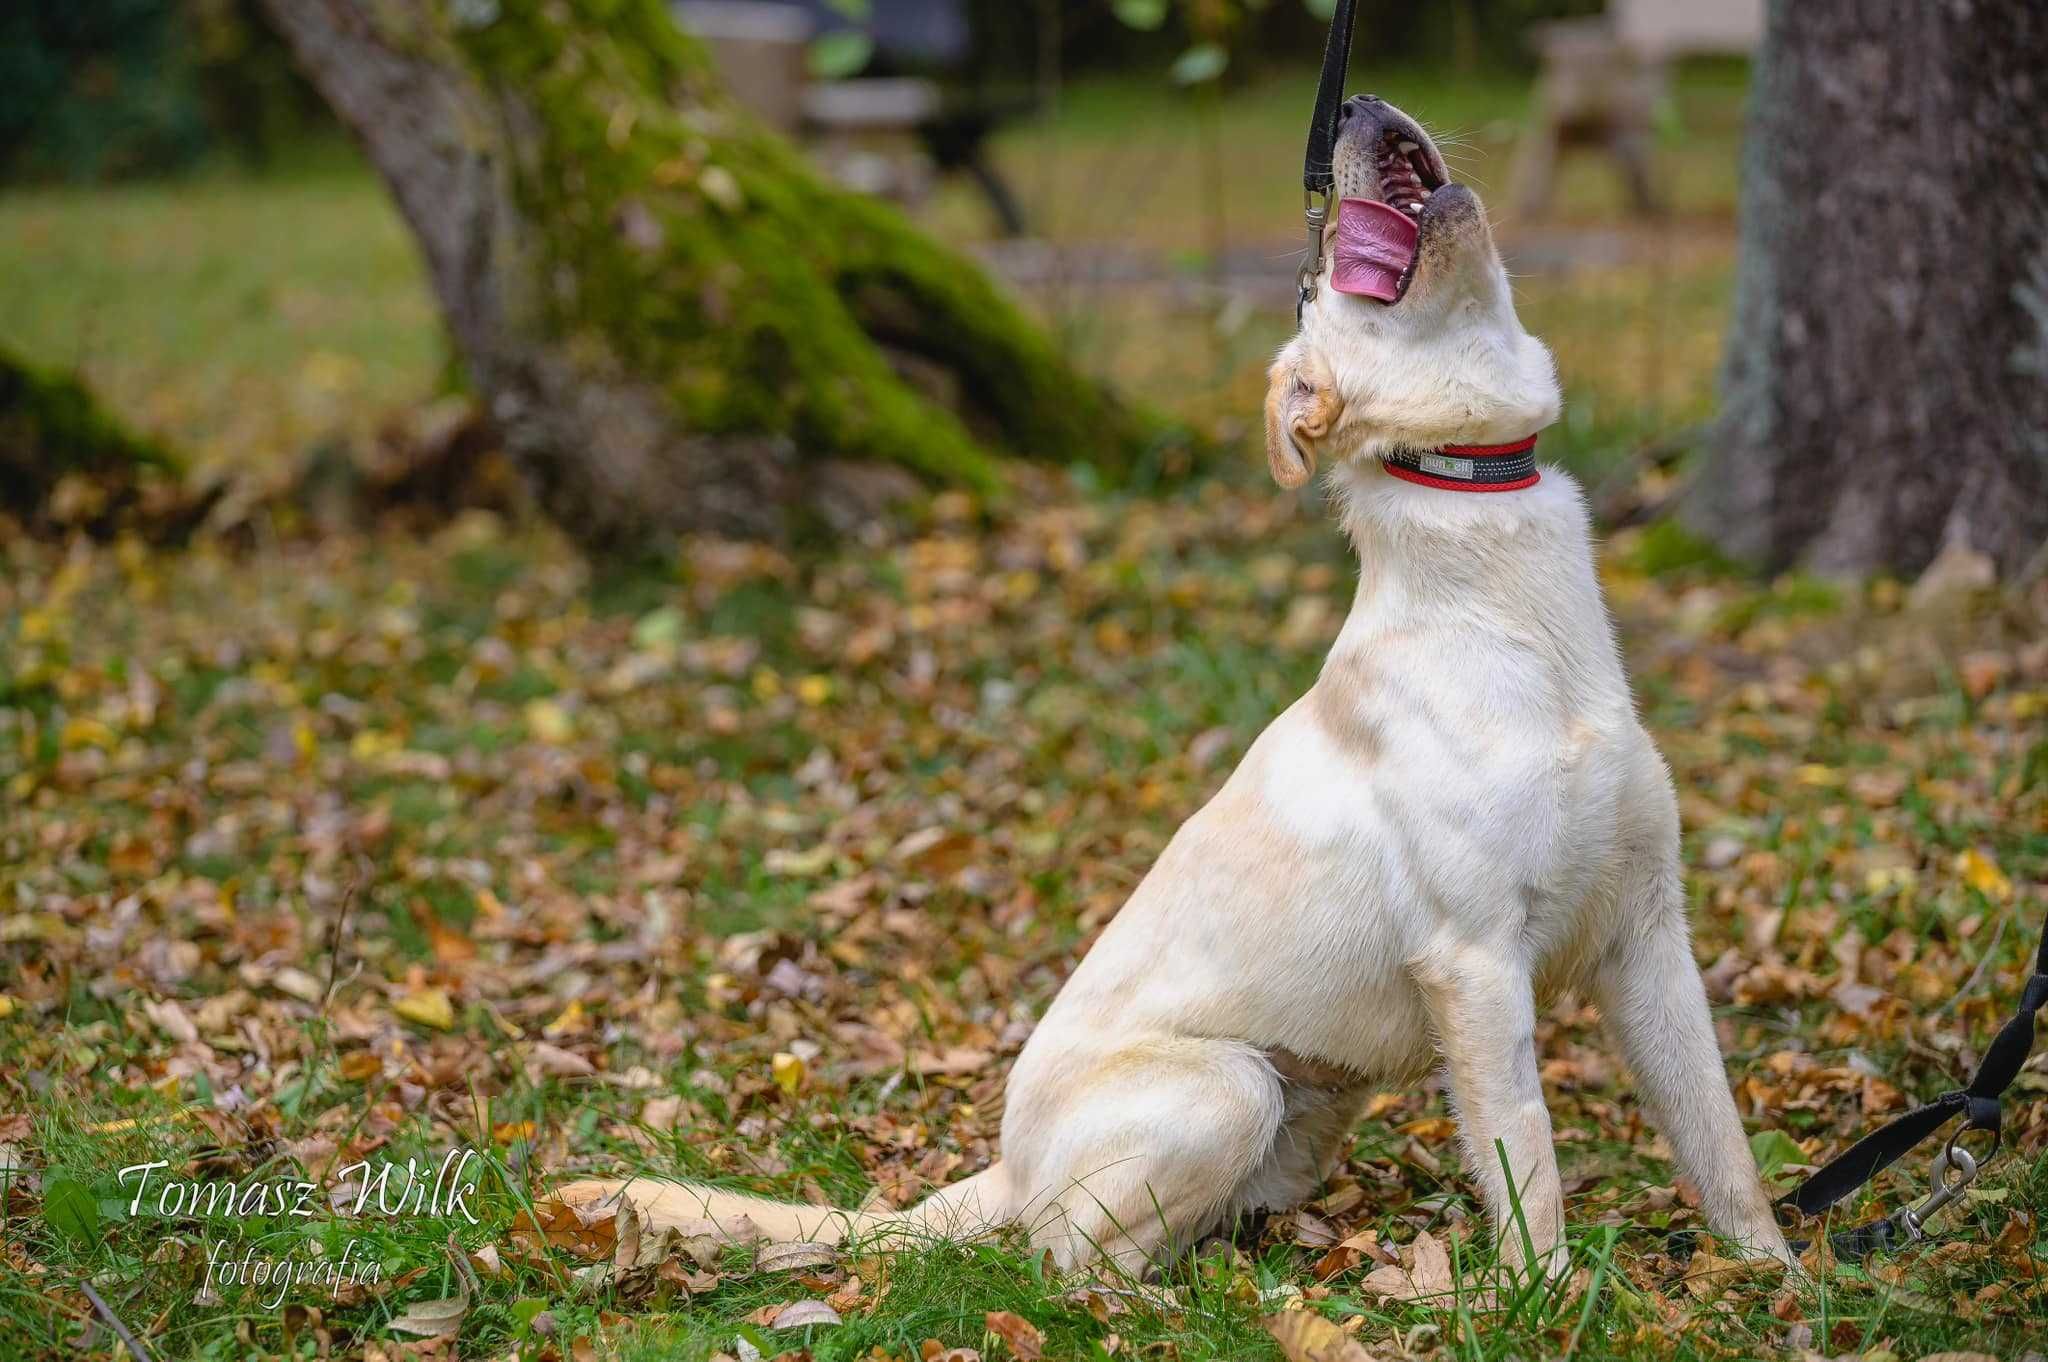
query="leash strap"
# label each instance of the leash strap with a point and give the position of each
(1318, 168)
(1317, 171)
(1979, 1104)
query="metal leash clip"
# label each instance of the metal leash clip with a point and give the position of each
(1317, 215)
(1953, 1159)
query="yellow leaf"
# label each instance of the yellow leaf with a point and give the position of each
(1982, 874)
(6, 1007)
(1820, 777)
(83, 732)
(570, 1022)
(814, 690)
(549, 722)
(788, 1071)
(427, 1007)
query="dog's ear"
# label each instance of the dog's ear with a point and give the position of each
(1302, 407)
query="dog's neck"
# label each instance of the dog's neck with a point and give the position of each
(1518, 564)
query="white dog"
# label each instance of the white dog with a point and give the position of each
(1462, 816)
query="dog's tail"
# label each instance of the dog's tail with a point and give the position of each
(970, 1209)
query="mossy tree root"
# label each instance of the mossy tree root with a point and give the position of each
(670, 315)
(66, 463)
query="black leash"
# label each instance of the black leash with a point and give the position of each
(1318, 175)
(1955, 1168)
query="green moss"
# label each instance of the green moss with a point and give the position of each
(50, 427)
(677, 239)
(1665, 546)
(1796, 595)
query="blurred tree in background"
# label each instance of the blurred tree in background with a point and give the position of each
(674, 321)
(1886, 391)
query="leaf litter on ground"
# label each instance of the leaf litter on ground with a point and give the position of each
(759, 869)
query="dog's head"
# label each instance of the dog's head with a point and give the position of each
(1446, 362)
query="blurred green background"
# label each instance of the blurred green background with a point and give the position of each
(184, 225)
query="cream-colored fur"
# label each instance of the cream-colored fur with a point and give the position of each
(1460, 817)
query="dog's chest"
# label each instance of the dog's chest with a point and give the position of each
(1465, 760)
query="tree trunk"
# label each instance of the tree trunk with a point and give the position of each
(1886, 385)
(671, 317)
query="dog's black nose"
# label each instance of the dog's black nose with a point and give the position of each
(1354, 105)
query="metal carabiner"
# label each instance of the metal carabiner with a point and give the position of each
(1952, 1159)
(1317, 216)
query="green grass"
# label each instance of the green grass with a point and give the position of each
(238, 318)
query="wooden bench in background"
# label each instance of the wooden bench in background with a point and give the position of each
(890, 134)
(1602, 79)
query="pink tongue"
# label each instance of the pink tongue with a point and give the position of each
(1375, 246)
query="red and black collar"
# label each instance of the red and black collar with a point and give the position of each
(1467, 468)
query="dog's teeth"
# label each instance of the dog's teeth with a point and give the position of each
(1410, 146)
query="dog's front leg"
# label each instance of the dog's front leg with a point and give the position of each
(1483, 1005)
(1651, 997)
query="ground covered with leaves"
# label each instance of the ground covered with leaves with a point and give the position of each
(319, 856)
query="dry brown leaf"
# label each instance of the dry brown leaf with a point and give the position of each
(804, 1314)
(1019, 1333)
(170, 1019)
(794, 1257)
(430, 1318)
(560, 1063)
(1707, 1277)
(1306, 1336)
(1426, 1274)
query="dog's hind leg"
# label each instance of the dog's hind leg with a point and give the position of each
(1649, 991)
(1147, 1155)
(1483, 1005)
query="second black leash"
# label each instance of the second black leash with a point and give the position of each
(1981, 1105)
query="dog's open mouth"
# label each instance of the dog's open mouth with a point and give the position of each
(1409, 172)
(1388, 170)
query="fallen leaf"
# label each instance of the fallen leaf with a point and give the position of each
(1982, 874)
(429, 1318)
(570, 1021)
(788, 1071)
(804, 1314)
(553, 1059)
(427, 1007)
(1306, 1336)
(1707, 1277)
(1427, 1273)
(794, 1256)
(170, 1019)
(548, 722)
(1019, 1333)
